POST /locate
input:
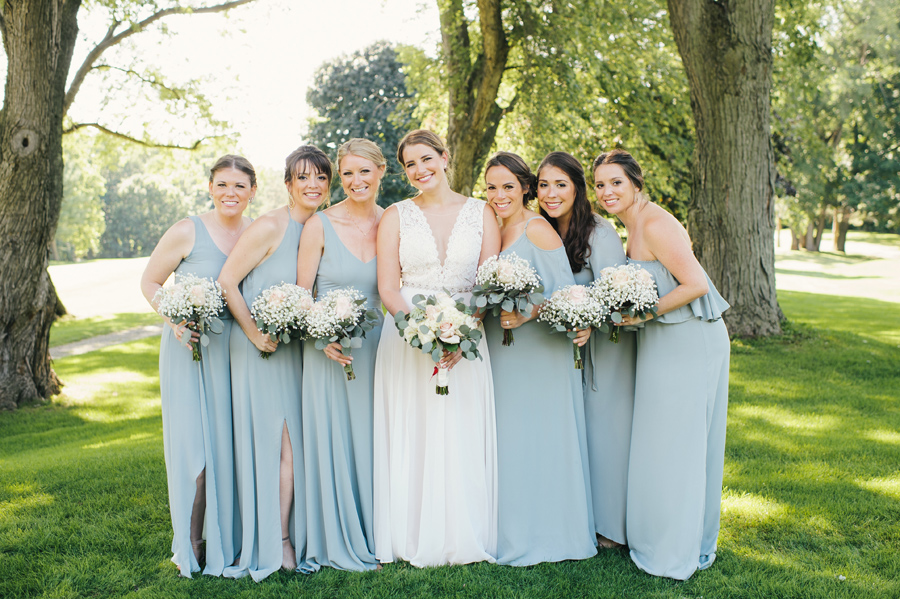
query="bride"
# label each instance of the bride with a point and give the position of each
(435, 456)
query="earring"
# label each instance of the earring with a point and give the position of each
(290, 202)
(251, 199)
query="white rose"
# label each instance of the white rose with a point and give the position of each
(506, 273)
(198, 296)
(577, 294)
(426, 337)
(343, 308)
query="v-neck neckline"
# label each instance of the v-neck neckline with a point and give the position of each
(441, 263)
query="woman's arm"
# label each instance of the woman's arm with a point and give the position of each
(669, 243)
(309, 254)
(254, 246)
(388, 252)
(173, 247)
(490, 236)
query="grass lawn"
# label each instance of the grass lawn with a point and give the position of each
(68, 329)
(811, 503)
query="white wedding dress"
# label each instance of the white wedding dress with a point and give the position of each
(435, 456)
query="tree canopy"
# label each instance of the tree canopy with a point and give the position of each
(364, 95)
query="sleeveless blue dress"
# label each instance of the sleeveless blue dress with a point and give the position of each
(678, 436)
(338, 428)
(196, 412)
(608, 397)
(544, 493)
(266, 397)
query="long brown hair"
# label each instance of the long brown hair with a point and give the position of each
(581, 225)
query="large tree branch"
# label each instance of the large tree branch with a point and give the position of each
(148, 144)
(112, 38)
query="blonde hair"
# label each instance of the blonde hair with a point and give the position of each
(363, 148)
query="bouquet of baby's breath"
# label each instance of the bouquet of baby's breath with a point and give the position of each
(437, 324)
(626, 289)
(279, 312)
(195, 300)
(507, 283)
(570, 309)
(341, 317)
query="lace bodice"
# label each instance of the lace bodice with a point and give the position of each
(420, 265)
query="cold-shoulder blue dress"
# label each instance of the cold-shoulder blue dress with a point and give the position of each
(338, 428)
(544, 493)
(266, 398)
(608, 397)
(678, 436)
(196, 413)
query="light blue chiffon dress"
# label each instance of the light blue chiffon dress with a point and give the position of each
(196, 412)
(338, 428)
(608, 397)
(678, 436)
(544, 493)
(266, 398)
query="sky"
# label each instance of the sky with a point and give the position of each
(258, 63)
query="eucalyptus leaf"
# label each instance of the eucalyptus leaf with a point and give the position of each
(356, 342)
(615, 317)
(204, 340)
(508, 305)
(436, 355)
(345, 342)
(321, 344)
(216, 325)
(537, 298)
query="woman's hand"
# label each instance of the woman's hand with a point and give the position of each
(512, 320)
(333, 351)
(582, 336)
(633, 320)
(450, 359)
(185, 335)
(263, 342)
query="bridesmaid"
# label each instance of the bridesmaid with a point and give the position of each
(592, 244)
(337, 250)
(267, 431)
(544, 510)
(196, 396)
(681, 386)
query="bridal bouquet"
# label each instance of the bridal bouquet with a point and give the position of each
(439, 324)
(195, 300)
(626, 289)
(507, 283)
(279, 311)
(340, 317)
(574, 307)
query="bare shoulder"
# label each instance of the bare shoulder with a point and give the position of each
(542, 234)
(663, 233)
(268, 224)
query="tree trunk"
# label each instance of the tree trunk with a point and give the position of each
(820, 227)
(795, 239)
(38, 36)
(840, 226)
(810, 243)
(473, 84)
(726, 48)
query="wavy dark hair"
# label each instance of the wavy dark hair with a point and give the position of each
(236, 162)
(581, 225)
(517, 166)
(626, 161)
